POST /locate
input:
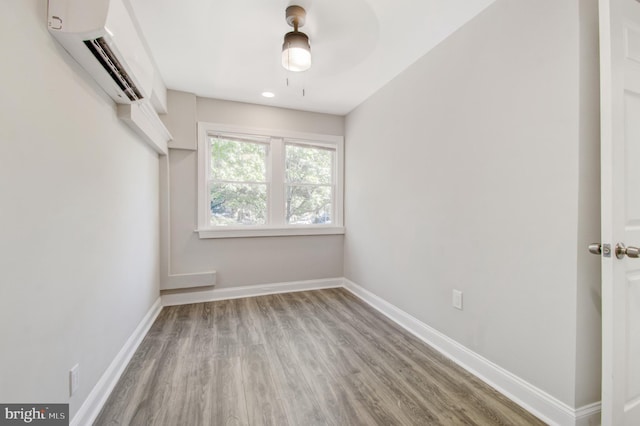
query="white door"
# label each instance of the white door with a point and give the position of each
(620, 120)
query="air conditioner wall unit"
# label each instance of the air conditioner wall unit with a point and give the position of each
(102, 37)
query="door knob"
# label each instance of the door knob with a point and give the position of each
(621, 250)
(601, 249)
(595, 248)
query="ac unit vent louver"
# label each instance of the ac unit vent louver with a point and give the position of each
(110, 63)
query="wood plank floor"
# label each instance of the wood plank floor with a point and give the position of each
(309, 358)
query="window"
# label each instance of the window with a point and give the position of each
(237, 182)
(256, 182)
(309, 184)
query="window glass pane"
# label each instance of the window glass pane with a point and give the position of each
(309, 164)
(309, 204)
(238, 161)
(235, 204)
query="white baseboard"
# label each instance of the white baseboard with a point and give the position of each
(546, 407)
(589, 415)
(213, 294)
(91, 407)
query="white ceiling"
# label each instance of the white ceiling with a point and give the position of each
(230, 49)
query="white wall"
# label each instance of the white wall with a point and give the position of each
(464, 172)
(79, 214)
(242, 261)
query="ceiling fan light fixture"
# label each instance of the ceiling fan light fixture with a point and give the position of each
(296, 50)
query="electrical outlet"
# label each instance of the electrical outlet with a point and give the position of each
(457, 299)
(74, 379)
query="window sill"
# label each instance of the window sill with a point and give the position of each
(269, 232)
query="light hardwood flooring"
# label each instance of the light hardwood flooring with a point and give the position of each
(309, 358)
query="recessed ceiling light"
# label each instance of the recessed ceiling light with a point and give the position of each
(268, 94)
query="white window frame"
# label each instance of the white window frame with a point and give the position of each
(276, 225)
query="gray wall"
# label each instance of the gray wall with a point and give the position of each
(241, 261)
(79, 214)
(589, 318)
(484, 153)
(476, 169)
